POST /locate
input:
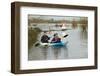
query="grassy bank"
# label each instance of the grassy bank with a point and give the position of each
(32, 36)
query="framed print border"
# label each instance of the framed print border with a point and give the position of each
(15, 37)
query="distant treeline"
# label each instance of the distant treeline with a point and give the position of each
(38, 20)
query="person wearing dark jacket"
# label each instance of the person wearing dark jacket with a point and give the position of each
(56, 39)
(45, 38)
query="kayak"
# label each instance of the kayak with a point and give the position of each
(60, 44)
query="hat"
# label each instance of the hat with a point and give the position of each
(55, 34)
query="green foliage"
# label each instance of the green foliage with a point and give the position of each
(32, 36)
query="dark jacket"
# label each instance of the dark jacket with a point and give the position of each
(56, 40)
(44, 39)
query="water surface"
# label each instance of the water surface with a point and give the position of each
(76, 47)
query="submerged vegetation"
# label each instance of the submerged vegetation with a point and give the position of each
(32, 36)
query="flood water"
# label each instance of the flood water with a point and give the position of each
(76, 48)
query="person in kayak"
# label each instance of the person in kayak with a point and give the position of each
(56, 39)
(45, 38)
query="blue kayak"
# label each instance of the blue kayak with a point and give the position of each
(60, 44)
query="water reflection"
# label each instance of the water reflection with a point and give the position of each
(74, 24)
(83, 32)
(48, 53)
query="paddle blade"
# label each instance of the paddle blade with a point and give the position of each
(37, 44)
(66, 35)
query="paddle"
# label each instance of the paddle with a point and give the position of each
(37, 44)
